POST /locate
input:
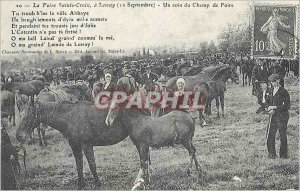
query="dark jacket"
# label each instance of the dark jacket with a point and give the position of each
(282, 100)
(260, 74)
(268, 95)
(149, 84)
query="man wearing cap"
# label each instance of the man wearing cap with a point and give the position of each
(163, 106)
(279, 104)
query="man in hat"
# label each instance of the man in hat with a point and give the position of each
(276, 68)
(149, 79)
(279, 104)
(158, 110)
(262, 96)
(106, 86)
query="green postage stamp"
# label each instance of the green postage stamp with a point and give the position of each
(275, 31)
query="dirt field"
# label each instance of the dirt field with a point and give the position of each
(233, 145)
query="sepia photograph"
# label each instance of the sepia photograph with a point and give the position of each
(149, 95)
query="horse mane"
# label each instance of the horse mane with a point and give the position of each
(220, 73)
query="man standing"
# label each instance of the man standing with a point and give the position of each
(262, 96)
(276, 68)
(260, 74)
(279, 104)
(149, 79)
(162, 107)
(107, 86)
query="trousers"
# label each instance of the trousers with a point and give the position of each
(280, 124)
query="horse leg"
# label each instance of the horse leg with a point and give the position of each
(89, 154)
(14, 118)
(222, 103)
(39, 134)
(217, 105)
(43, 130)
(187, 144)
(201, 118)
(77, 151)
(144, 160)
(208, 107)
(243, 79)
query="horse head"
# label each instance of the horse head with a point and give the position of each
(28, 120)
(126, 84)
(219, 71)
(113, 112)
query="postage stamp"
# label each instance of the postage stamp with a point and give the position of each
(274, 31)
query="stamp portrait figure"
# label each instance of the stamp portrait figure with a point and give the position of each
(271, 27)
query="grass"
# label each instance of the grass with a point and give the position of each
(233, 145)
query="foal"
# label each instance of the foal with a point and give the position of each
(176, 127)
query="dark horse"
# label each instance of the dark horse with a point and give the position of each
(30, 88)
(246, 69)
(204, 76)
(217, 88)
(8, 105)
(176, 127)
(81, 124)
(71, 93)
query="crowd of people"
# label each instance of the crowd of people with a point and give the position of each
(267, 79)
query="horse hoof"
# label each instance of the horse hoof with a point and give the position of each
(188, 172)
(81, 187)
(98, 184)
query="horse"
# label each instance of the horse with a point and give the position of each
(193, 71)
(8, 105)
(217, 88)
(30, 88)
(239, 61)
(203, 90)
(52, 96)
(247, 73)
(81, 91)
(127, 84)
(176, 127)
(205, 75)
(38, 77)
(81, 124)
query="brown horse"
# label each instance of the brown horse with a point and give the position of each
(81, 124)
(8, 105)
(30, 88)
(71, 93)
(176, 127)
(217, 89)
(193, 71)
(205, 75)
(127, 84)
(81, 91)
